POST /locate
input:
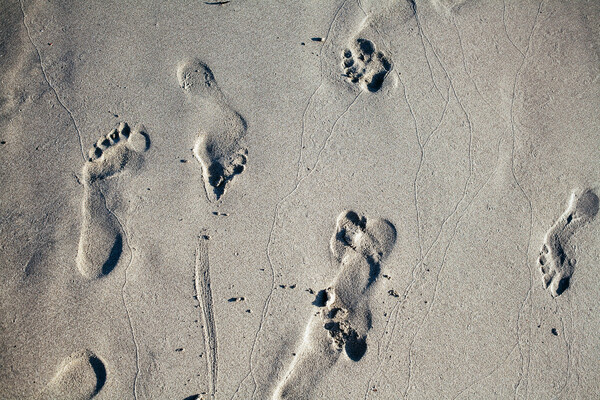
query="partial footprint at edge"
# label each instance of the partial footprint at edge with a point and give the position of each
(101, 240)
(218, 147)
(79, 377)
(555, 262)
(359, 245)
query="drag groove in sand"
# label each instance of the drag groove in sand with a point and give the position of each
(555, 264)
(204, 297)
(358, 245)
(102, 236)
(218, 147)
(79, 377)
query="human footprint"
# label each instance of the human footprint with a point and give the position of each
(359, 245)
(555, 264)
(218, 147)
(101, 239)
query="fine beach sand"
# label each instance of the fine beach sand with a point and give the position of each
(351, 199)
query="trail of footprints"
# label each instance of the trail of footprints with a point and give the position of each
(102, 243)
(359, 245)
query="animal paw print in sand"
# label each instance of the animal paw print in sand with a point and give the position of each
(366, 66)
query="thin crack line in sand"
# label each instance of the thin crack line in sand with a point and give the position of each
(440, 270)
(395, 310)
(467, 182)
(422, 155)
(413, 6)
(501, 363)
(303, 124)
(270, 241)
(203, 296)
(447, 98)
(506, 30)
(522, 374)
(415, 185)
(511, 122)
(421, 158)
(443, 116)
(497, 163)
(50, 85)
(276, 213)
(464, 62)
(321, 72)
(135, 343)
(568, 348)
(512, 162)
(417, 135)
(410, 361)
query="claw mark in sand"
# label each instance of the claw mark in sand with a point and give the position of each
(555, 264)
(204, 297)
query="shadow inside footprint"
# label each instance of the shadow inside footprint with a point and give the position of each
(374, 270)
(376, 81)
(355, 347)
(113, 257)
(321, 298)
(143, 143)
(99, 370)
(366, 46)
(563, 285)
(217, 179)
(355, 219)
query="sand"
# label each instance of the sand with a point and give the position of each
(299, 200)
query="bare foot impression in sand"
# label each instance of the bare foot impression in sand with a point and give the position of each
(359, 246)
(101, 240)
(79, 377)
(556, 265)
(218, 146)
(364, 65)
